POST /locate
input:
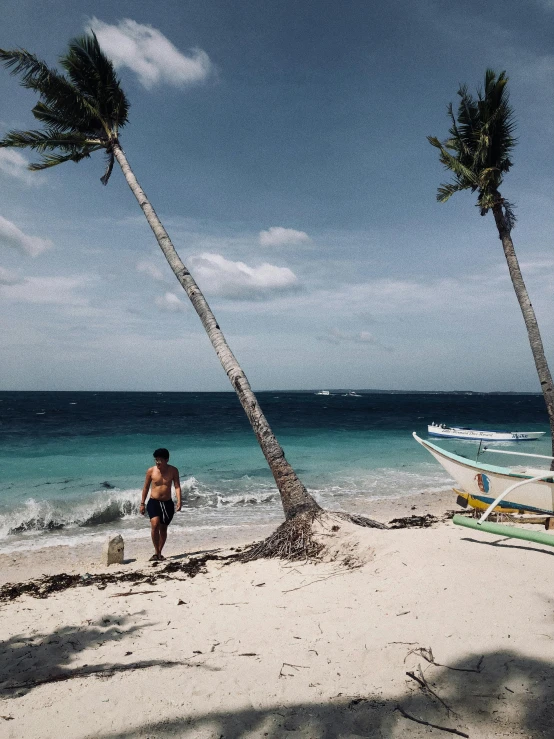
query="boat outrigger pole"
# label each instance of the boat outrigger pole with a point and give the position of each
(512, 532)
(517, 454)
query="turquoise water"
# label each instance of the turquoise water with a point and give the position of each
(73, 464)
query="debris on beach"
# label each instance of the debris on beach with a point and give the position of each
(419, 522)
(42, 587)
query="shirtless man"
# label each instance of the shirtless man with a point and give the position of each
(160, 505)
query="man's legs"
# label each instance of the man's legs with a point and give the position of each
(155, 532)
(162, 538)
(159, 535)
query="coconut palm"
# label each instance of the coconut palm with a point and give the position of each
(83, 111)
(478, 153)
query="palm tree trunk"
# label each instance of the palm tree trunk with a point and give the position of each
(529, 317)
(294, 497)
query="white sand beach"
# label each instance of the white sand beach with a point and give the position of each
(440, 624)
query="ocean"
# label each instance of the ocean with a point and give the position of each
(73, 463)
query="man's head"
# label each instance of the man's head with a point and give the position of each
(161, 456)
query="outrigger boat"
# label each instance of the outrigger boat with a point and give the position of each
(457, 432)
(500, 489)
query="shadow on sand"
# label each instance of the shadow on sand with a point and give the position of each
(32, 660)
(510, 696)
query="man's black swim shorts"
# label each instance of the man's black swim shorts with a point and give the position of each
(162, 509)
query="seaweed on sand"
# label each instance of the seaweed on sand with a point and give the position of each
(44, 586)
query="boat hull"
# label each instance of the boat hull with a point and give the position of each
(486, 482)
(479, 503)
(476, 435)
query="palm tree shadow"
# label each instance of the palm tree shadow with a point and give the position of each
(28, 661)
(510, 694)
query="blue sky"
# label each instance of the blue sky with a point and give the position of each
(284, 147)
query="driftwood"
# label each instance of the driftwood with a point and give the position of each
(424, 685)
(296, 667)
(427, 723)
(363, 521)
(427, 655)
(319, 579)
(134, 592)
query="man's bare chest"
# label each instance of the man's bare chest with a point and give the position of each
(160, 480)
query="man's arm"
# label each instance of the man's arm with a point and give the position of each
(177, 484)
(145, 489)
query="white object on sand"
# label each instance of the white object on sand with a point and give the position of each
(112, 554)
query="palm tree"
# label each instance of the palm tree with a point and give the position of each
(478, 153)
(83, 112)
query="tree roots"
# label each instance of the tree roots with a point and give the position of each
(293, 540)
(296, 539)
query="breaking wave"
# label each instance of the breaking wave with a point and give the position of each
(114, 505)
(229, 502)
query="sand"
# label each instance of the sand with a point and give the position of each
(273, 649)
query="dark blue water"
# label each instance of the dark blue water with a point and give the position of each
(73, 463)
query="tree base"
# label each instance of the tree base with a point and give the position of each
(317, 536)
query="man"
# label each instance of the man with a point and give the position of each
(160, 505)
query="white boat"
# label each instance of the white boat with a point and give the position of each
(519, 488)
(323, 392)
(455, 432)
(351, 394)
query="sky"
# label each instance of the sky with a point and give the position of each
(283, 145)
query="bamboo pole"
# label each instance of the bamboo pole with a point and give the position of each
(499, 529)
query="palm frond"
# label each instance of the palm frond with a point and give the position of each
(81, 113)
(446, 191)
(509, 213)
(52, 160)
(464, 175)
(63, 121)
(91, 71)
(478, 150)
(110, 161)
(44, 140)
(52, 87)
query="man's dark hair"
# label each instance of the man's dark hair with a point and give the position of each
(162, 453)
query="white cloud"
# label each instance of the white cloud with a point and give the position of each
(150, 269)
(236, 280)
(336, 336)
(8, 278)
(12, 236)
(279, 236)
(537, 266)
(150, 54)
(170, 302)
(365, 337)
(47, 290)
(14, 164)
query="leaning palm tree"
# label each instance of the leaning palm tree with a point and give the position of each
(83, 112)
(478, 153)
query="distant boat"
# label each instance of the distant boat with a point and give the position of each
(455, 432)
(351, 394)
(323, 392)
